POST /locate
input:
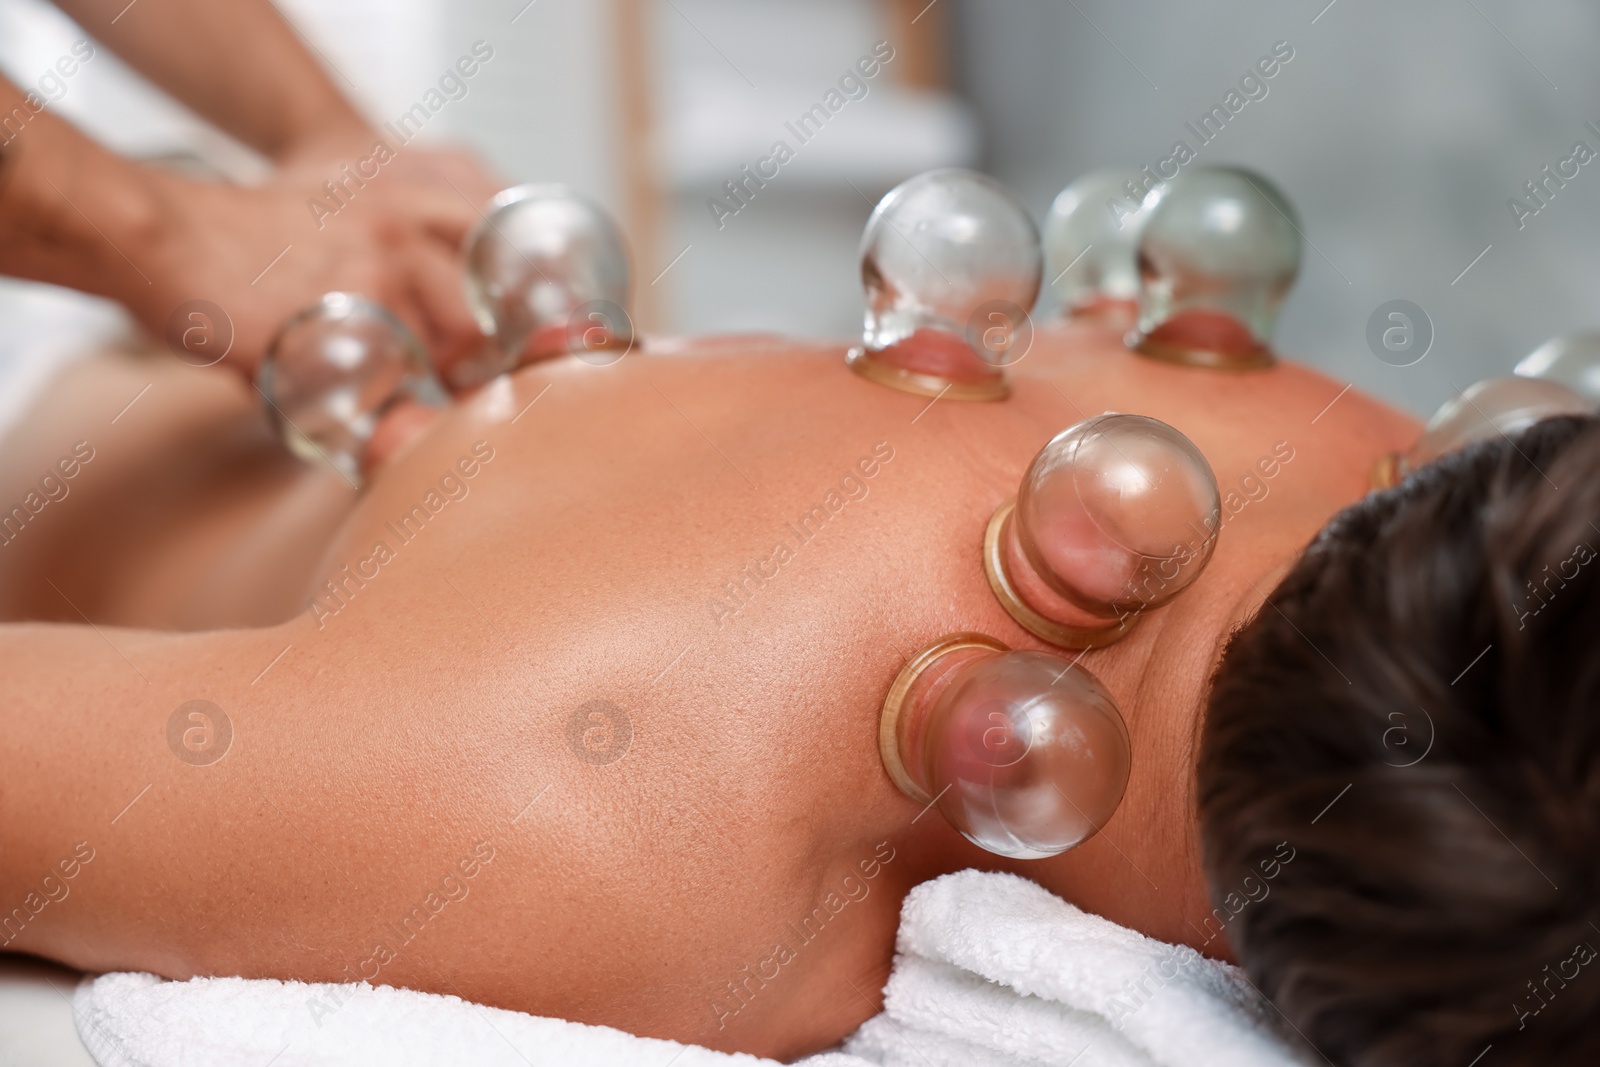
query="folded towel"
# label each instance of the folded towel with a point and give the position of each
(139, 1020)
(993, 969)
(990, 971)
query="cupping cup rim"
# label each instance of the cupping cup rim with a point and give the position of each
(1263, 354)
(896, 704)
(516, 194)
(1063, 635)
(337, 305)
(860, 357)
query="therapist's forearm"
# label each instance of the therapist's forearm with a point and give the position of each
(70, 211)
(238, 63)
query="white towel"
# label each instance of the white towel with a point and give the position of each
(139, 1020)
(990, 971)
(993, 969)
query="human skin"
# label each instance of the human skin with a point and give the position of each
(431, 712)
(76, 214)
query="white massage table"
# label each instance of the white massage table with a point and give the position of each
(36, 1027)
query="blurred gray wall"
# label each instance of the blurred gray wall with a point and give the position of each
(732, 77)
(1399, 131)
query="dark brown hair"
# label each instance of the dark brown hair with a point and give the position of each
(1416, 712)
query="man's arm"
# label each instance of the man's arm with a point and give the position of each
(166, 808)
(83, 740)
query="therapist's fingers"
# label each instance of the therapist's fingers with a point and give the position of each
(434, 212)
(401, 199)
(442, 199)
(437, 291)
(455, 174)
(233, 264)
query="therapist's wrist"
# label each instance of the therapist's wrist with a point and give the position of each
(73, 214)
(204, 242)
(332, 137)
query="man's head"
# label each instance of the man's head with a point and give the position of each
(1416, 712)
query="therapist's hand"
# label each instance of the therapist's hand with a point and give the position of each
(75, 214)
(260, 254)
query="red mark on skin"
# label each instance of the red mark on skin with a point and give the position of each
(396, 430)
(1208, 331)
(938, 353)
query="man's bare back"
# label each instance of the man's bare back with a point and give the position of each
(574, 709)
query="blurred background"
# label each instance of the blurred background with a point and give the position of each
(1400, 132)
